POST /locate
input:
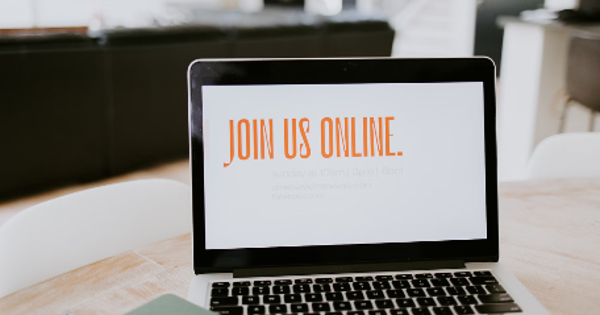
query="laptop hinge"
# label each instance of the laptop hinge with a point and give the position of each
(328, 269)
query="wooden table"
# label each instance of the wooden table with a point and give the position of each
(550, 239)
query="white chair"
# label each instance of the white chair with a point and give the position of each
(72, 231)
(566, 155)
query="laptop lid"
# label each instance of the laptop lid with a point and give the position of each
(303, 162)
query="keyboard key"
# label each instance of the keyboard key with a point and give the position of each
(384, 278)
(401, 284)
(482, 273)
(420, 283)
(415, 292)
(364, 286)
(442, 311)
(405, 303)
(302, 288)
(250, 300)
(498, 308)
(355, 295)
(334, 296)
(467, 299)
(397, 312)
(224, 301)
(292, 298)
(381, 285)
(323, 280)
(303, 281)
(342, 306)
(395, 293)
(356, 313)
(282, 289)
(313, 297)
(261, 290)
(271, 299)
(475, 290)
(262, 283)
(374, 295)
(426, 302)
(495, 298)
(339, 287)
(256, 309)
(446, 300)
(320, 307)
(424, 276)
(278, 309)
(463, 310)
(460, 281)
(219, 292)
(360, 279)
(283, 282)
(363, 305)
(495, 288)
(443, 275)
(220, 285)
(299, 308)
(455, 291)
(483, 280)
(228, 310)
(344, 280)
(436, 292)
(240, 291)
(384, 304)
(463, 274)
(420, 311)
(241, 284)
(321, 288)
(404, 277)
(334, 313)
(378, 312)
(439, 283)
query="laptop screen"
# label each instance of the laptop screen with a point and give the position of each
(292, 165)
(314, 162)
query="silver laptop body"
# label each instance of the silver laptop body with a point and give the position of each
(347, 187)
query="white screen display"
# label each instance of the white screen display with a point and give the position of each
(343, 164)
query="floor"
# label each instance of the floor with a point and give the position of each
(178, 170)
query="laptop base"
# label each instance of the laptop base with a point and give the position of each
(199, 292)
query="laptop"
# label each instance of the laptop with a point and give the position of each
(347, 187)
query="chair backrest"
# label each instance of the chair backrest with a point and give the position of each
(583, 69)
(75, 230)
(566, 155)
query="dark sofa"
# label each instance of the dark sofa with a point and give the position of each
(77, 107)
(53, 112)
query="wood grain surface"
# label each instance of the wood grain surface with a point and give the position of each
(550, 239)
(44, 30)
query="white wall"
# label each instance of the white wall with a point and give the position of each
(60, 13)
(556, 5)
(65, 13)
(16, 14)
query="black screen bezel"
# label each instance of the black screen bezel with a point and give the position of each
(340, 71)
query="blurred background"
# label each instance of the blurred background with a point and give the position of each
(92, 89)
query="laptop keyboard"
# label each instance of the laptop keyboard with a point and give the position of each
(443, 293)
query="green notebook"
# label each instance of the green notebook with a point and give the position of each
(170, 304)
